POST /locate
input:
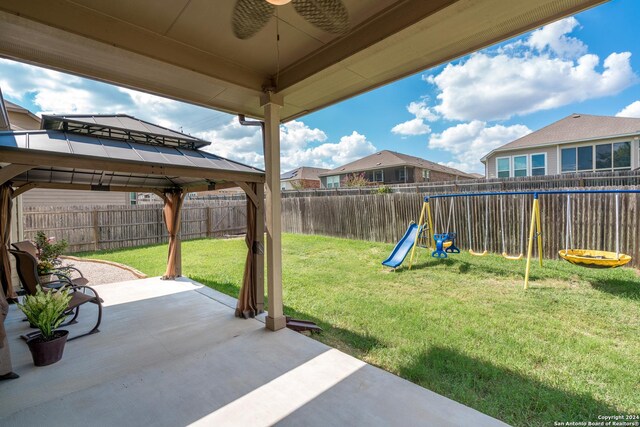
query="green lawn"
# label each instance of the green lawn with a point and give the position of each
(568, 349)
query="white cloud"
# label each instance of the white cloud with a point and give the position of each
(468, 142)
(412, 127)
(416, 126)
(55, 92)
(553, 37)
(329, 155)
(524, 77)
(631, 110)
(422, 111)
(299, 145)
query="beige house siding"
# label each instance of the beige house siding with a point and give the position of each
(21, 121)
(553, 154)
(45, 197)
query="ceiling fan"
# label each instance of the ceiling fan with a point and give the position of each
(250, 16)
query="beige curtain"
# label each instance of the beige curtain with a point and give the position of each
(5, 233)
(5, 355)
(247, 306)
(171, 213)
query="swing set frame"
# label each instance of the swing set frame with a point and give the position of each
(425, 223)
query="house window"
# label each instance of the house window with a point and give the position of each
(603, 156)
(568, 160)
(378, 176)
(520, 166)
(401, 175)
(538, 164)
(597, 157)
(425, 174)
(504, 167)
(585, 158)
(333, 181)
(622, 155)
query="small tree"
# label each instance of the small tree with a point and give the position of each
(355, 180)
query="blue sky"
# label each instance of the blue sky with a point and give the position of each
(452, 114)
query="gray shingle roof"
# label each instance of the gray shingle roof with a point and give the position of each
(575, 127)
(386, 159)
(303, 172)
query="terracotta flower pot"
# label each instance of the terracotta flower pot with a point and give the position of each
(47, 352)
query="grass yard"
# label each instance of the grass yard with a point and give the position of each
(568, 349)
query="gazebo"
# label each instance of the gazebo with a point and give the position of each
(122, 153)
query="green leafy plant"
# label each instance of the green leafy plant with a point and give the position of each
(49, 252)
(355, 180)
(45, 310)
(383, 189)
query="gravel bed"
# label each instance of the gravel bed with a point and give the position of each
(99, 273)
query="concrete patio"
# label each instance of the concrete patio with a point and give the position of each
(171, 353)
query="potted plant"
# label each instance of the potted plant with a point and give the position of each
(46, 311)
(49, 252)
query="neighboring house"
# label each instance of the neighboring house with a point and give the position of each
(577, 143)
(20, 118)
(302, 177)
(389, 167)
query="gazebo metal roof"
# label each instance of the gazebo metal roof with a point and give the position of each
(122, 127)
(69, 160)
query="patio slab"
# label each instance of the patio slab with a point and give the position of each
(171, 353)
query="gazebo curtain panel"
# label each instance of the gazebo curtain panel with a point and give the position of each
(5, 232)
(171, 212)
(247, 305)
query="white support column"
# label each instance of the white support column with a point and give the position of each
(272, 103)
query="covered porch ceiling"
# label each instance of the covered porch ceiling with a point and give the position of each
(186, 50)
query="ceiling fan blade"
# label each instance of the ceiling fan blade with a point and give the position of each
(329, 15)
(249, 17)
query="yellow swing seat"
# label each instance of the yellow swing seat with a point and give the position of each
(447, 244)
(512, 257)
(594, 259)
(483, 253)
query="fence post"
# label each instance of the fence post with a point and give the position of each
(96, 230)
(208, 210)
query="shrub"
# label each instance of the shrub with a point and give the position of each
(45, 310)
(383, 189)
(49, 252)
(355, 180)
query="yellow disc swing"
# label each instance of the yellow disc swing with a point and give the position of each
(593, 258)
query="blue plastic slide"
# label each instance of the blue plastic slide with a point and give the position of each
(403, 247)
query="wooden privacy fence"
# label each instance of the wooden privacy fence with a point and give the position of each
(566, 180)
(113, 227)
(385, 217)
